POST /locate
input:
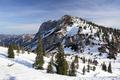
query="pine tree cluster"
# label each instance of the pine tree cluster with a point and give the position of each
(104, 67)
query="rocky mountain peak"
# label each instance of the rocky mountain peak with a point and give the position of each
(77, 34)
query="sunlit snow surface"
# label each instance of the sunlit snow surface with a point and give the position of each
(72, 30)
(21, 68)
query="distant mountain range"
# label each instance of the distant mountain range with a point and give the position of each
(21, 40)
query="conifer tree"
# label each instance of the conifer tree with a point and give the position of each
(83, 59)
(109, 68)
(83, 70)
(76, 61)
(72, 71)
(11, 52)
(39, 61)
(62, 65)
(94, 68)
(104, 66)
(50, 67)
(88, 68)
(65, 67)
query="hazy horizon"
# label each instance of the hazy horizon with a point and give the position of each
(25, 16)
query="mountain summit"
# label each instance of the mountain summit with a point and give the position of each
(77, 34)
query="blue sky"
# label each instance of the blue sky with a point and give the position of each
(25, 16)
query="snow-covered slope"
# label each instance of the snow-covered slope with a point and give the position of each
(20, 68)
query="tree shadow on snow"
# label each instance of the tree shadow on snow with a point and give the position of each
(12, 78)
(25, 63)
(3, 55)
